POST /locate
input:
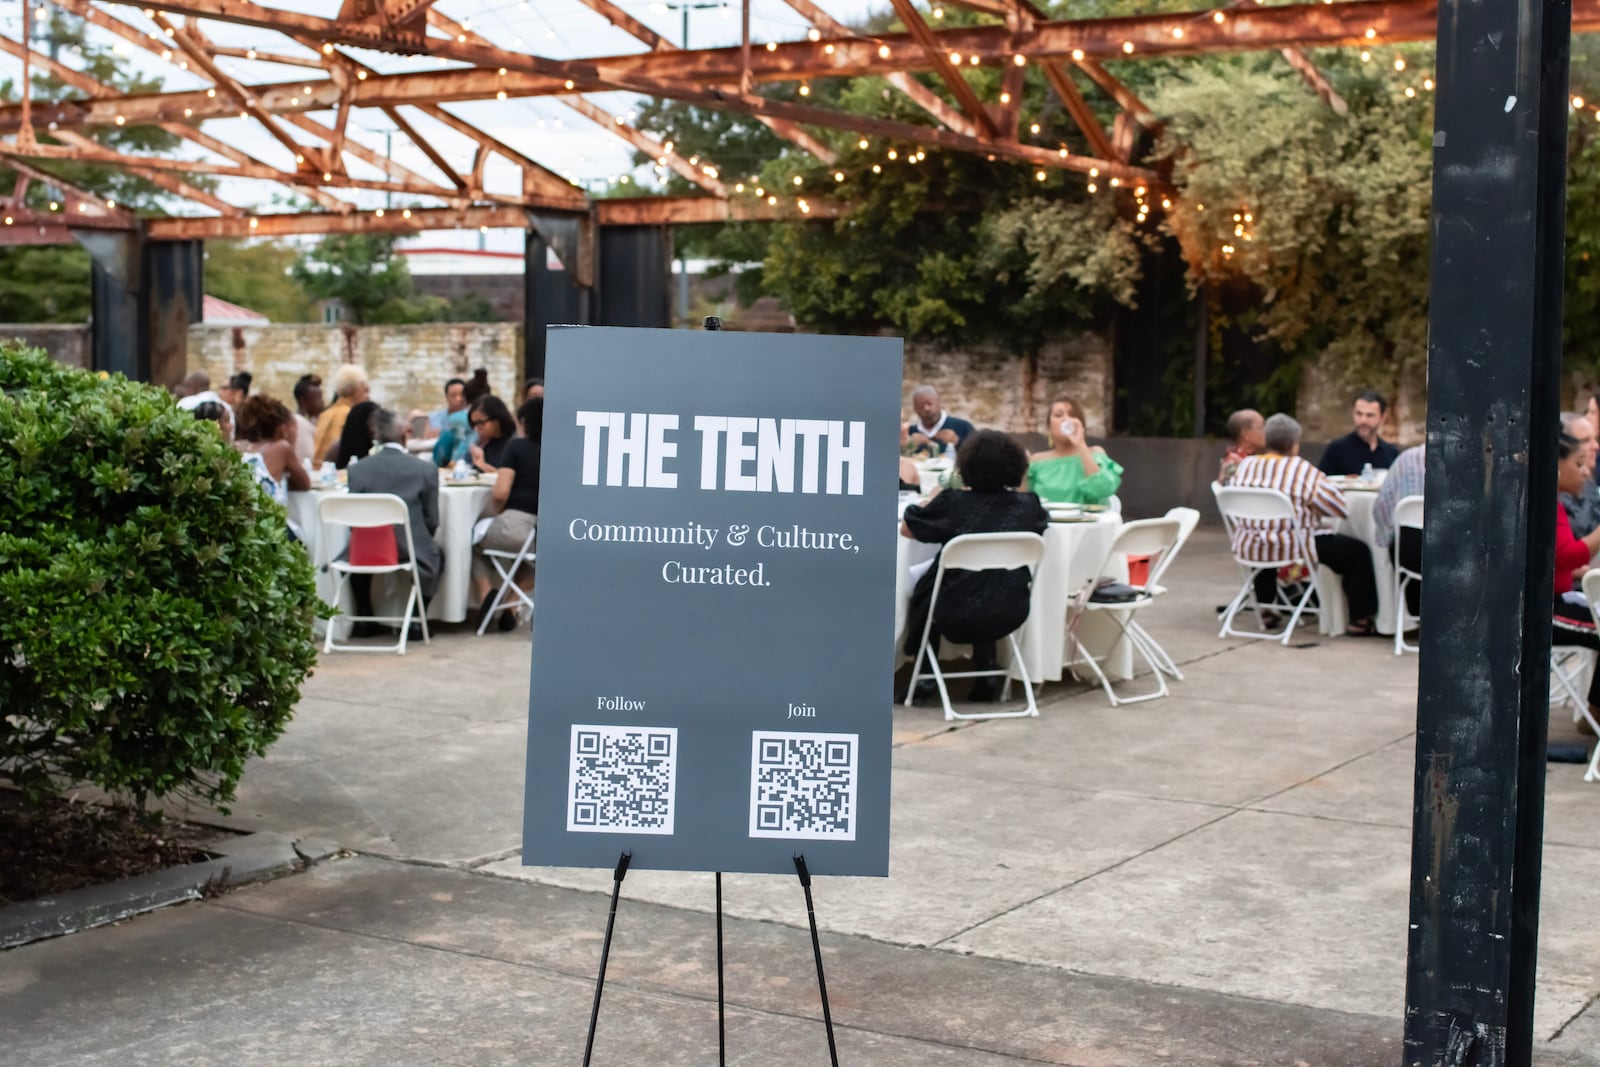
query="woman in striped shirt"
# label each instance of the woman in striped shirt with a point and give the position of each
(1315, 498)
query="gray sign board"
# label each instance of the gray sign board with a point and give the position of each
(711, 686)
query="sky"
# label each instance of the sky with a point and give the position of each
(543, 129)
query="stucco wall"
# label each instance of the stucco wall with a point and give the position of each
(407, 365)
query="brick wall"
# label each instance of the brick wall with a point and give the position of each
(67, 344)
(994, 388)
(407, 365)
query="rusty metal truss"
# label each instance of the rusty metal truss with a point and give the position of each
(331, 163)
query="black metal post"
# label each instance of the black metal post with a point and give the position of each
(605, 952)
(816, 950)
(1493, 403)
(722, 1037)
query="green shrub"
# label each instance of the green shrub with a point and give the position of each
(155, 620)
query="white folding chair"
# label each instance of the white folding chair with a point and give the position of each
(1580, 702)
(1158, 539)
(350, 510)
(507, 564)
(1240, 507)
(1407, 516)
(979, 552)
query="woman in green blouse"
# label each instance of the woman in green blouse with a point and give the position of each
(1071, 472)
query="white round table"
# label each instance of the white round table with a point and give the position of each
(1075, 553)
(460, 506)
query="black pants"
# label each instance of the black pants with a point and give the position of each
(1573, 627)
(1347, 557)
(1411, 560)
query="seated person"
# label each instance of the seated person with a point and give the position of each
(516, 492)
(391, 469)
(492, 424)
(1405, 479)
(934, 429)
(1246, 431)
(1071, 472)
(1582, 507)
(910, 477)
(1314, 497)
(267, 435)
(355, 436)
(213, 411)
(1361, 446)
(1572, 624)
(973, 606)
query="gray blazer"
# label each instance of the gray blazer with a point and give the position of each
(416, 481)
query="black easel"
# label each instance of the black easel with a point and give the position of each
(816, 951)
(605, 951)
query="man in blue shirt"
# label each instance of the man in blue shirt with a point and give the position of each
(1361, 446)
(933, 428)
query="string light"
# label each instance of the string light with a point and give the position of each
(972, 61)
(1427, 83)
(1005, 98)
(838, 175)
(938, 12)
(1077, 55)
(862, 144)
(1040, 175)
(1399, 64)
(805, 90)
(1577, 103)
(1020, 60)
(883, 51)
(799, 180)
(254, 223)
(1366, 57)
(1127, 48)
(406, 214)
(379, 213)
(1177, 33)
(893, 155)
(772, 46)
(1410, 92)
(827, 49)
(955, 58)
(1093, 188)
(813, 34)
(1218, 17)
(1033, 127)
(877, 168)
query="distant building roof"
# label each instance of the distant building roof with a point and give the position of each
(216, 311)
(426, 262)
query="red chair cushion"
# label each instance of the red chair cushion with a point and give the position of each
(373, 546)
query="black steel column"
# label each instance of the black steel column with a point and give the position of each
(172, 296)
(550, 297)
(1493, 402)
(635, 276)
(114, 303)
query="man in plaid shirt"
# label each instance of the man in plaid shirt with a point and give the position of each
(1315, 498)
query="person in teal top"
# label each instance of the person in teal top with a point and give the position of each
(1071, 472)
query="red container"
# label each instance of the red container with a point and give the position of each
(1138, 570)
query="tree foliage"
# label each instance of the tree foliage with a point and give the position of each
(158, 619)
(1327, 262)
(365, 274)
(258, 275)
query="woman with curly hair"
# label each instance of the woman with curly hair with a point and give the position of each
(267, 434)
(975, 607)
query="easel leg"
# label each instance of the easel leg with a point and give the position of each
(722, 1044)
(816, 950)
(605, 953)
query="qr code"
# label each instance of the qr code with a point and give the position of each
(623, 779)
(803, 786)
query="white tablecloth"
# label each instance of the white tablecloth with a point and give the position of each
(459, 507)
(1073, 555)
(1359, 525)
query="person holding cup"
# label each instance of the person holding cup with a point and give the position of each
(1070, 471)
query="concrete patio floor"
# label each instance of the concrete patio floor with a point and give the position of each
(1215, 878)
